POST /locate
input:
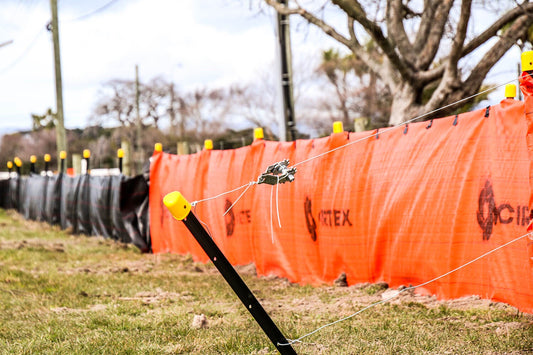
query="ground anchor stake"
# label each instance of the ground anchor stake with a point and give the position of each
(180, 208)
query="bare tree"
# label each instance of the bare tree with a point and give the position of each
(422, 45)
(116, 103)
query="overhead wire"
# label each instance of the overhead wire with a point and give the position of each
(92, 13)
(24, 52)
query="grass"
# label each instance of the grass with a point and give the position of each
(64, 294)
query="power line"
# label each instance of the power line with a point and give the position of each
(92, 13)
(24, 53)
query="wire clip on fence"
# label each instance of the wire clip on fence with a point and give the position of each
(278, 173)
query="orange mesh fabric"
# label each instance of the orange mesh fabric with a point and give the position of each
(403, 206)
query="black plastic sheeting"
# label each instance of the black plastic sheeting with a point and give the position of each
(114, 207)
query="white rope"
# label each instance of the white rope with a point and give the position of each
(271, 216)
(401, 124)
(277, 210)
(359, 140)
(194, 203)
(277, 202)
(299, 340)
(240, 196)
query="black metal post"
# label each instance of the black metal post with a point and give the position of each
(237, 284)
(286, 75)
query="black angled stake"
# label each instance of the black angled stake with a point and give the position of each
(237, 284)
(234, 280)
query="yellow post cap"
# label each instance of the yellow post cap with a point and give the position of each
(86, 153)
(10, 165)
(258, 133)
(510, 91)
(62, 155)
(527, 61)
(18, 162)
(337, 127)
(208, 144)
(47, 158)
(158, 147)
(178, 206)
(120, 153)
(33, 159)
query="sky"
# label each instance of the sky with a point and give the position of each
(191, 42)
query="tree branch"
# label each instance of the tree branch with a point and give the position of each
(309, 17)
(356, 11)
(426, 23)
(496, 26)
(360, 52)
(396, 30)
(425, 77)
(432, 42)
(517, 30)
(460, 35)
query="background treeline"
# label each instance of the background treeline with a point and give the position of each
(158, 110)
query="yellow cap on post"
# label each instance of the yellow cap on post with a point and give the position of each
(18, 162)
(33, 159)
(120, 153)
(10, 165)
(337, 127)
(527, 61)
(510, 91)
(47, 158)
(208, 144)
(178, 206)
(158, 147)
(86, 153)
(258, 133)
(62, 155)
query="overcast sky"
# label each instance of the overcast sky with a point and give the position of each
(192, 42)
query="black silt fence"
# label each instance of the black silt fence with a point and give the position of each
(5, 197)
(114, 207)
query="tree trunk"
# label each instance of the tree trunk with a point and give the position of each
(403, 106)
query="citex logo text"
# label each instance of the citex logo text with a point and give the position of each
(489, 213)
(331, 218)
(235, 217)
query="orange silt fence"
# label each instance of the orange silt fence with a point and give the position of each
(401, 205)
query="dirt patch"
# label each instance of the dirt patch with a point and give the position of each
(249, 269)
(33, 244)
(157, 296)
(93, 308)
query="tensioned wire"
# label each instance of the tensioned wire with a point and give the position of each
(404, 290)
(251, 183)
(403, 123)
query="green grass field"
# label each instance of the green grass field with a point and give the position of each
(64, 294)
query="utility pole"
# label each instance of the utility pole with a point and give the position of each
(287, 131)
(140, 151)
(61, 139)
